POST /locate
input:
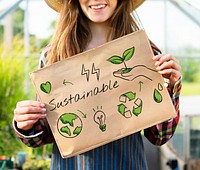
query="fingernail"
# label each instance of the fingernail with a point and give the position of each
(42, 104)
(43, 109)
(43, 115)
(154, 57)
(156, 63)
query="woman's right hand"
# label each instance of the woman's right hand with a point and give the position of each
(28, 112)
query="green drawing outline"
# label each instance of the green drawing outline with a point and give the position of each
(129, 96)
(71, 124)
(46, 87)
(127, 55)
(102, 124)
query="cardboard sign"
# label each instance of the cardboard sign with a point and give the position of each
(103, 94)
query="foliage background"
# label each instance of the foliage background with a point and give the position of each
(16, 86)
(12, 90)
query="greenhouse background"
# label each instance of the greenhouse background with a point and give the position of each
(26, 27)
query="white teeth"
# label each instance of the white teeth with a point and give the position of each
(98, 6)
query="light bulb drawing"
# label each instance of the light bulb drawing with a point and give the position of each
(100, 119)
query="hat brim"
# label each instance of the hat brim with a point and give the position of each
(57, 4)
(137, 3)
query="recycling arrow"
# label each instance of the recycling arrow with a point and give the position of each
(127, 96)
(137, 110)
(123, 110)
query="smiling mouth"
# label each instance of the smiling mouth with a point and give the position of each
(98, 6)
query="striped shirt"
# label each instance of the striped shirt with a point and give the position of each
(123, 154)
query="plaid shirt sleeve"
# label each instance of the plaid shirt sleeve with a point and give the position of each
(39, 135)
(161, 133)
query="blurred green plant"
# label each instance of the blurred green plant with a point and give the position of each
(37, 164)
(14, 70)
(18, 22)
(15, 83)
(16, 86)
(1, 33)
(12, 75)
(190, 69)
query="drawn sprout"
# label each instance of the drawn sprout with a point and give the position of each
(127, 55)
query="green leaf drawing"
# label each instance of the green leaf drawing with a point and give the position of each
(77, 131)
(128, 54)
(116, 59)
(68, 118)
(127, 70)
(157, 96)
(66, 130)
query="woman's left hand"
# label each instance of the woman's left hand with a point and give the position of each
(169, 67)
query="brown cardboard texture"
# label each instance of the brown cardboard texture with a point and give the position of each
(103, 94)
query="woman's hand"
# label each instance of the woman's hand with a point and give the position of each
(169, 67)
(28, 112)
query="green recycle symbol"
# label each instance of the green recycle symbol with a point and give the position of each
(137, 108)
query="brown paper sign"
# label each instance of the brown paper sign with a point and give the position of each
(103, 94)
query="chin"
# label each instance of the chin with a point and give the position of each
(99, 20)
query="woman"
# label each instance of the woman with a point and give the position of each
(85, 24)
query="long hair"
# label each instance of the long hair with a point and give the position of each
(73, 33)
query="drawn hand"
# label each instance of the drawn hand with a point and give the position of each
(169, 67)
(135, 72)
(28, 112)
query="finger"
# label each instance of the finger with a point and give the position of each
(30, 103)
(157, 57)
(26, 125)
(171, 72)
(28, 110)
(160, 59)
(169, 64)
(26, 117)
(168, 57)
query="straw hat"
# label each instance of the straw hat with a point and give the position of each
(57, 4)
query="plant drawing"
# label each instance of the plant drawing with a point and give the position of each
(127, 55)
